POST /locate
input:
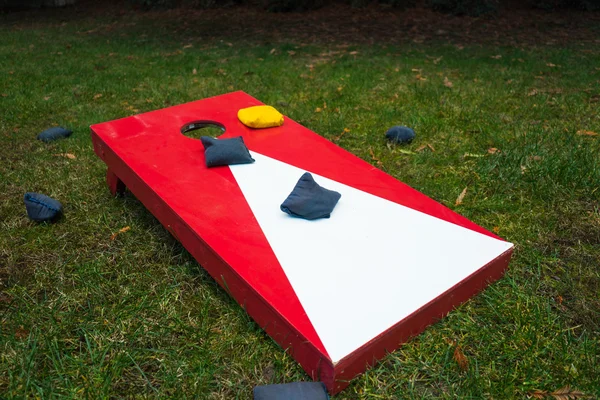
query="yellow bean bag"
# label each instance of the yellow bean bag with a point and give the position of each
(260, 117)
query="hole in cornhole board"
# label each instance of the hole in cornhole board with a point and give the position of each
(202, 128)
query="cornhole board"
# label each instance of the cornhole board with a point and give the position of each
(336, 293)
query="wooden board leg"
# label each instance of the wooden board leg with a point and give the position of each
(115, 185)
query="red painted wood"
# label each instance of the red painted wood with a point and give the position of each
(272, 321)
(115, 185)
(206, 211)
(208, 200)
(212, 206)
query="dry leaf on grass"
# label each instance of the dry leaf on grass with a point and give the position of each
(460, 358)
(194, 71)
(565, 393)
(532, 93)
(551, 65)
(66, 155)
(318, 109)
(21, 333)
(375, 158)
(493, 150)
(122, 230)
(373, 155)
(461, 196)
(187, 46)
(496, 57)
(496, 229)
(97, 96)
(425, 146)
(586, 133)
(346, 130)
(538, 394)
(447, 83)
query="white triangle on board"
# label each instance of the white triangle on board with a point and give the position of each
(370, 265)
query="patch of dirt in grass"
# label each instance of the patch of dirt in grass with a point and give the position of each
(4, 272)
(12, 271)
(578, 290)
(580, 226)
(338, 24)
(572, 252)
(377, 25)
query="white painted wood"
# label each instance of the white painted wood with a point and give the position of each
(370, 265)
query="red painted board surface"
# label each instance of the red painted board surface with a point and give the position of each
(209, 213)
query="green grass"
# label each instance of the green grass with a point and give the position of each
(86, 316)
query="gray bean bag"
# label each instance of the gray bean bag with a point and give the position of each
(225, 151)
(310, 201)
(41, 207)
(400, 134)
(54, 133)
(292, 391)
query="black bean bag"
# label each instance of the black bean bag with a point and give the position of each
(400, 134)
(225, 151)
(41, 207)
(54, 133)
(310, 201)
(292, 391)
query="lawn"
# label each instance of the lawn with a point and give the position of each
(88, 314)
